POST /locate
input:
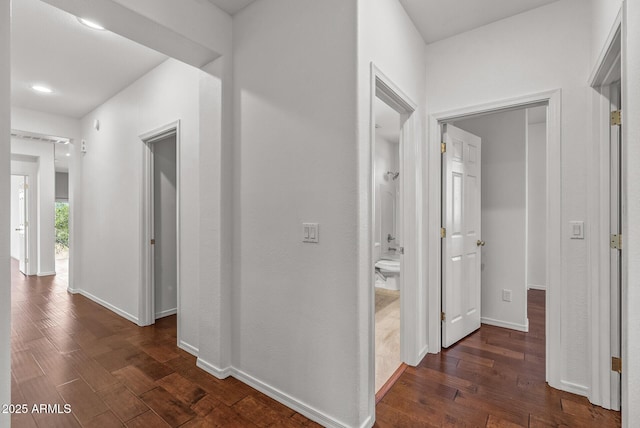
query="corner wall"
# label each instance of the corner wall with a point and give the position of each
(5, 241)
(519, 56)
(295, 322)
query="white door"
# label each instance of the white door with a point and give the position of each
(462, 239)
(22, 228)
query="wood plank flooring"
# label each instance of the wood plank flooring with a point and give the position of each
(493, 378)
(67, 349)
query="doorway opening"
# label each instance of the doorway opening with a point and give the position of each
(161, 219)
(19, 221)
(388, 217)
(445, 309)
(393, 288)
(493, 194)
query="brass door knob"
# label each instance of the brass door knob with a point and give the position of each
(480, 243)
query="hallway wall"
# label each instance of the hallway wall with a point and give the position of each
(109, 209)
(294, 318)
(520, 56)
(5, 241)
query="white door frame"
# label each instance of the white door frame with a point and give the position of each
(411, 290)
(31, 173)
(605, 384)
(553, 99)
(147, 289)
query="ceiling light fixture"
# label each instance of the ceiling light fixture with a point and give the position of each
(41, 88)
(68, 154)
(90, 24)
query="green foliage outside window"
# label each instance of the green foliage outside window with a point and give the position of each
(62, 225)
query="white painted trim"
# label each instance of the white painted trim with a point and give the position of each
(553, 99)
(506, 324)
(574, 388)
(282, 397)
(537, 287)
(146, 295)
(50, 273)
(189, 348)
(213, 370)
(166, 313)
(289, 401)
(122, 313)
(412, 301)
(605, 384)
(603, 63)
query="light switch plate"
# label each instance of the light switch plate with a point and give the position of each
(310, 232)
(576, 229)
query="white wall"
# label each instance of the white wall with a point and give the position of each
(45, 206)
(294, 315)
(110, 184)
(62, 186)
(388, 39)
(536, 205)
(503, 213)
(5, 154)
(16, 181)
(518, 56)
(631, 214)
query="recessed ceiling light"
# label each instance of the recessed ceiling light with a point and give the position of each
(40, 88)
(90, 24)
(68, 154)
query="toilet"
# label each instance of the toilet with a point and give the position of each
(388, 274)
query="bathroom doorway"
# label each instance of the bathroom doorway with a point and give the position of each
(388, 240)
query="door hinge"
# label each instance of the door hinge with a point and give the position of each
(153, 242)
(616, 118)
(616, 242)
(616, 364)
(401, 250)
(443, 316)
(443, 232)
(443, 148)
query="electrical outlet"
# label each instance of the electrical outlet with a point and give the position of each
(506, 295)
(310, 232)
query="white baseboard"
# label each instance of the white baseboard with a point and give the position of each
(423, 353)
(537, 287)
(213, 370)
(368, 423)
(46, 273)
(189, 348)
(107, 305)
(289, 401)
(574, 388)
(166, 313)
(506, 324)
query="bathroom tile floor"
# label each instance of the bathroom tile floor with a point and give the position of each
(387, 335)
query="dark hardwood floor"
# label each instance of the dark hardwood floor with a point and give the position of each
(493, 378)
(67, 349)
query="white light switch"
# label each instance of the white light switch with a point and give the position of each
(577, 229)
(310, 232)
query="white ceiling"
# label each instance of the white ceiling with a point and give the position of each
(387, 121)
(232, 6)
(84, 67)
(439, 19)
